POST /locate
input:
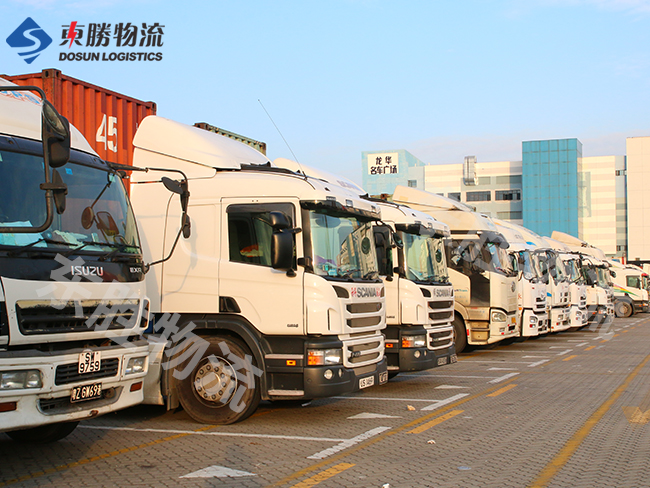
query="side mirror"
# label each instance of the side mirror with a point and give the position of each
(282, 251)
(59, 190)
(55, 133)
(180, 188)
(613, 273)
(279, 220)
(397, 241)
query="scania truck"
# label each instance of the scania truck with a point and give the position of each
(531, 287)
(273, 291)
(72, 297)
(480, 269)
(419, 296)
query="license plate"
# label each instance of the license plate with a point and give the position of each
(90, 362)
(86, 392)
(442, 361)
(366, 382)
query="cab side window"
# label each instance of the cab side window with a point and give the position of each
(249, 232)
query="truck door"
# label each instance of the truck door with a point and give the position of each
(269, 299)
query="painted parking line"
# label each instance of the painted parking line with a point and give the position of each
(533, 365)
(441, 403)
(503, 378)
(348, 443)
(502, 390)
(567, 351)
(502, 369)
(434, 422)
(214, 434)
(324, 475)
(569, 358)
(590, 348)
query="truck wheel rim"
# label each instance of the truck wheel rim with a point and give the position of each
(215, 381)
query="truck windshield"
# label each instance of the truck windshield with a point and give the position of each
(424, 257)
(603, 277)
(97, 216)
(343, 246)
(527, 267)
(499, 260)
(573, 270)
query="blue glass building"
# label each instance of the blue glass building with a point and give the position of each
(550, 185)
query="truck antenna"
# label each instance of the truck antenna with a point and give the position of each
(285, 141)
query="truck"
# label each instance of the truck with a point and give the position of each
(531, 285)
(600, 297)
(480, 270)
(630, 292)
(419, 296)
(73, 305)
(273, 291)
(556, 277)
(578, 314)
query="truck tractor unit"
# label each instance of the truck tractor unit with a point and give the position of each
(630, 294)
(273, 291)
(72, 294)
(480, 270)
(531, 289)
(419, 296)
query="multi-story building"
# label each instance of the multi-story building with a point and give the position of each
(599, 199)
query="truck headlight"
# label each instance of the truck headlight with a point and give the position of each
(136, 365)
(20, 380)
(321, 357)
(498, 316)
(414, 341)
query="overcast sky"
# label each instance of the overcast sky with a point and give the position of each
(440, 79)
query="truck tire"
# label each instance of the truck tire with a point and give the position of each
(44, 433)
(623, 308)
(460, 335)
(219, 390)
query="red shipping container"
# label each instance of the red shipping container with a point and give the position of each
(107, 119)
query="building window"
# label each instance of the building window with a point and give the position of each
(503, 195)
(413, 183)
(478, 196)
(508, 180)
(621, 172)
(485, 180)
(515, 215)
(454, 196)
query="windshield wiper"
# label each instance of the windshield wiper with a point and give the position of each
(26, 247)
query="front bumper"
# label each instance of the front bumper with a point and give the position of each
(52, 402)
(343, 380)
(559, 319)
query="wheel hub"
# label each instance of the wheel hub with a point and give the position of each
(215, 380)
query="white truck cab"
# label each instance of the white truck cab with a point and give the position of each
(485, 284)
(276, 276)
(531, 288)
(72, 295)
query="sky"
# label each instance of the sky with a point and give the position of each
(441, 80)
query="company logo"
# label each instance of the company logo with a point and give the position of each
(118, 38)
(443, 292)
(364, 292)
(86, 270)
(31, 37)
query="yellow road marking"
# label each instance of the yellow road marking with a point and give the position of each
(569, 358)
(324, 475)
(590, 348)
(434, 422)
(502, 390)
(81, 462)
(572, 445)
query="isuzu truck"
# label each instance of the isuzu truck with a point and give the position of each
(72, 296)
(480, 269)
(268, 287)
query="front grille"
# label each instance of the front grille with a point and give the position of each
(440, 315)
(441, 304)
(364, 321)
(440, 339)
(51, 317)
(69, 373)
(363, 351)
(441, 311)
